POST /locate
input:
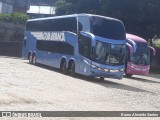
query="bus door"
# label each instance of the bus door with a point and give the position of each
(85, 52)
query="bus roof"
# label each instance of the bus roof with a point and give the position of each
(135, 38)
(74, 15)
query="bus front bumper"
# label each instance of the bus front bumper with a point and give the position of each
(137, 70)
(115, 75)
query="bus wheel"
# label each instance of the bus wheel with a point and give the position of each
(128, 75)
(73, 74)
(30, 59)
(102, 78)
(64, 68)
(34, 59)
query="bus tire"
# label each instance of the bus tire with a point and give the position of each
(102, 78)
(64, 68)
(73, 73)
(30, 58)
(128, 75)
(34, 60)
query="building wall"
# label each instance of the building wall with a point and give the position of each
(10, 6)
(0, 7)
(7, 1)
(6, 8)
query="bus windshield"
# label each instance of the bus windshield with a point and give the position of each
(109, 54)
(108, 28)
(142, 54)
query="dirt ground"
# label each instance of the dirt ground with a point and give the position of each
(24, 87)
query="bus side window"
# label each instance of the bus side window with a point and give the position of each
(55, 47)
(34, 26)
(64, 24)
(63, 48)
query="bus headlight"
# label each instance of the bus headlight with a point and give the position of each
(121, 70)
(93, 66)
(100, 69)
(86, 62)
(106, 70)
(114, 70)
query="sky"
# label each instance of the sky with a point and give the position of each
(41, 9)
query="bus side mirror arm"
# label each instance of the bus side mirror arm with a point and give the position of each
(130, 48)
(133, 44)
(153, 50)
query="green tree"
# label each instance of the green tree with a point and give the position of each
(43, 1)
(141, 17)
(17, 18)
(88, 6)
(63, 7)
(77, 6)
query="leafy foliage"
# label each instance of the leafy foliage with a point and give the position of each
(17, 18)
(6, 18)
(63, 7)
(156, 42)
(43, 1)
(141, 17)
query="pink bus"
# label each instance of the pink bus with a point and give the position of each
(137, 56)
